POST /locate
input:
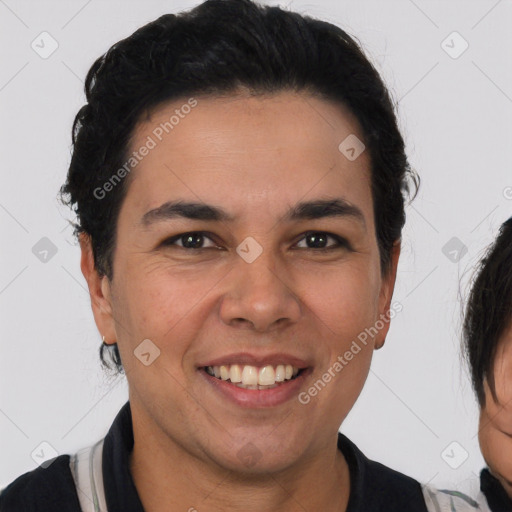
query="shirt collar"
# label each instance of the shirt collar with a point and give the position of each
(120, 491)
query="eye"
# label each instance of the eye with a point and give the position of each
(191, 240)
(318, 240)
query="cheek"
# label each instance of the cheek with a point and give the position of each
(154, 302)
(497, 451)
(165, 309)
(345, 311)
(346, 299)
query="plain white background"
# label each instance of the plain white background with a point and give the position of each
(455, 114)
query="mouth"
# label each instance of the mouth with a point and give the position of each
(256, 386)
(253, 377)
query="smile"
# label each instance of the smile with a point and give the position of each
(254, 377)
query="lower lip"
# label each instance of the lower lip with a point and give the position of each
(257, 398)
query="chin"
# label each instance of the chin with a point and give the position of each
(507, 485)
(250, 461)
(257, 454)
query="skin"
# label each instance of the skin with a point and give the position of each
(255, 157)
(495, 429)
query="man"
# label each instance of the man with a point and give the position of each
(239, 180)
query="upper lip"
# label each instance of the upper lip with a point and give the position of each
(245, 358)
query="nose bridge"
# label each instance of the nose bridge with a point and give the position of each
(263, 273)
(258, 294)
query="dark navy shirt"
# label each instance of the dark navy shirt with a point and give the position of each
(373, 487)
(497, 498)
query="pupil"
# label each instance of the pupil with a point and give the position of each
(192, 241)
(318, 240)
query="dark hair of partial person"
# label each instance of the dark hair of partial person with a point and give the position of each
(219, 48)
(488, 311)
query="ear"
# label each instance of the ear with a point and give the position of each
(386, 294)
(99, 291)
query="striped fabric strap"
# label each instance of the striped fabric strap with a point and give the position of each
(86, 468)
(453, 501)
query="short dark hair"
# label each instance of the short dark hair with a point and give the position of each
(218, 48)
(488, 312)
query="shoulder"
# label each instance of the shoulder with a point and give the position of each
(43, 489)
(379, 488)
(438, 500)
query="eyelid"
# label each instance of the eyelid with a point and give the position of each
(171, 240)
(341, 242)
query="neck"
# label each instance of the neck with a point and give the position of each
(172, 478)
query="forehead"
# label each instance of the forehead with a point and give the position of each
(245, 150)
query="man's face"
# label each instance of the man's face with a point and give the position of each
(495, 430)
(264, 288)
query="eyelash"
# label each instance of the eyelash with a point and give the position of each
(341, 243)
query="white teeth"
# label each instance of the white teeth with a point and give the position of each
(280, 373)
(253, 377)
(267, 376)
(224, 372)
(250, 375)
(235, 373)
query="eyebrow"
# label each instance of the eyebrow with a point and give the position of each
(305, 210)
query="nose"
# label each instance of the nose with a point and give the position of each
(259, 297)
